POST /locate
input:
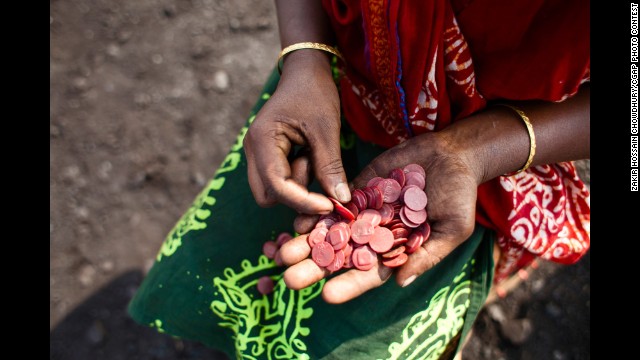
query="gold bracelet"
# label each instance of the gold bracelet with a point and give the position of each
(306, 45)
(532, 138)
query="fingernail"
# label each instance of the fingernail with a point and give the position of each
(408, 281)
(343, 193)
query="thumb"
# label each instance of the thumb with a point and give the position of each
(327, 166)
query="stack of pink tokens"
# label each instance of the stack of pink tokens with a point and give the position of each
(388, 217)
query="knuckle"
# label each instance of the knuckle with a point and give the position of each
(333, 167)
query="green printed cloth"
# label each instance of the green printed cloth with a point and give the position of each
(203, 284)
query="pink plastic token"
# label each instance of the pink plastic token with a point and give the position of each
(382, 240)
(400, 241)
(283, 238)
(368, 192)
(406, 221)
(361, 231)
(397, 175)
(364, 258)
(353, 208)
(317, 236)
(338, 237)
(359, 198)
(415, 240)
(393, 253)
(397, 224)
(416, 217)
(341, 210)
(386, 214)
(322, 254)
(348, 250)
(400, 232)
(373, 182)
(265, 285)
(414, 178)
(338, 261)
(371, 215)
(414, 198)
(426, 231)
(396, 261)
(325, 223)
(390, 190)
(415, 168)
(269, 249)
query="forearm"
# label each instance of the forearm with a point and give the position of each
(497, 142)
(304, 21)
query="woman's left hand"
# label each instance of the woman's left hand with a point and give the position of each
(451, 186)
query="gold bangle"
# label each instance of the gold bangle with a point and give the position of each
(307, 45)
(532, 138)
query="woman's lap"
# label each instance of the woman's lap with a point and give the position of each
(203, 284)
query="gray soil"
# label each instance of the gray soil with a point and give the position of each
(146, 97)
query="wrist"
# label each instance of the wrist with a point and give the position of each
(493, 142)
(308, 62)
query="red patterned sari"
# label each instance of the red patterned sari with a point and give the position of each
(417, 66)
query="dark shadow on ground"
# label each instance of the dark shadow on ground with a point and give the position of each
(545, 317)
(100, 328)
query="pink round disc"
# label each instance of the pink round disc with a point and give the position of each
(386, 214)
(316, 236)
(338, 237)
(393, 253)
(415, 168)
(414, 178)
(382, 240)
(371, 215)
(341, 210)
(415, 240)
(378, 198)
(398, 175)
(405, 219)
(390, 190)
(373, 182)
(396, 261)
(269, 249)
(338, 261)
(400, 241)
(400, 232)
(361, 231)
(283, 238)
(265, 285)
(364, 258)
(359, 198)
(322, 254)
(415, 199)
(416, 217)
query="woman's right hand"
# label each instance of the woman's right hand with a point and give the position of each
(304, 110)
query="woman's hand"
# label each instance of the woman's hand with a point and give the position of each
(304, 110)
(451, 185)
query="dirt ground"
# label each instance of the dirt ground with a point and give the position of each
(146, 97)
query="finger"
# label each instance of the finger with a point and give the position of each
(276, 175)
(354, 283)
(435, 249)
(303, 274)
(327, 164)
(303, 224)
(301, 170)
(255, 182)
(295, 250)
